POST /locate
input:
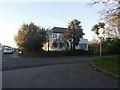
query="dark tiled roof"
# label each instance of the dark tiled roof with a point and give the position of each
(58, 29)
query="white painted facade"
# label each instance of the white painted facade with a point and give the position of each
(83, 44)
(61, 44)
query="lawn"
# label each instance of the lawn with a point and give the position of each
(108, 66)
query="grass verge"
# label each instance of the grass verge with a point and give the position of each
(108, 66)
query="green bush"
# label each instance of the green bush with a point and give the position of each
(56, 53)
(109, 46)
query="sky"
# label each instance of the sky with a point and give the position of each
(46, 14)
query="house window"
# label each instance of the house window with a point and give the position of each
(83, 46)
(54, 35)
(54, 45)
(61, 45)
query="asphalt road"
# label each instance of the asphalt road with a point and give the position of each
(11, 62)
(49, 72)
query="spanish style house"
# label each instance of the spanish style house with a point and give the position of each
(57, 42)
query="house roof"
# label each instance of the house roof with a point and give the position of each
(58, 29)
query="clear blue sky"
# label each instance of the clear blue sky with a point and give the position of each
(45, 14)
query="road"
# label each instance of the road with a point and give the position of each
(52, 72)
(10, 63)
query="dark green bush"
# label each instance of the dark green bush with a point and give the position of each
(57, 53)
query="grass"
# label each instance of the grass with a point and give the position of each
(109, 66)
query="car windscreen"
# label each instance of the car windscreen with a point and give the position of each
(8, 49)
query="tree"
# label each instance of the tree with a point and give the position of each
(99, 30)
(21, 36)
(111, 46)
(74, 32)
(30, 37)
(111, 17)
(97, 27)
(94, 46)
(111, 14)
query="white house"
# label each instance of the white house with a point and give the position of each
(57, 41)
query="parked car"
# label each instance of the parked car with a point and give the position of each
(8, 50)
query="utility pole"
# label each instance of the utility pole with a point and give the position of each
(101, 31)
(100, 47)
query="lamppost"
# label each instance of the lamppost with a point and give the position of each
(101, 31)
(100, 47)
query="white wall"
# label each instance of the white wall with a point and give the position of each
(83, 43)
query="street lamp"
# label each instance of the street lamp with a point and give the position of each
(101, 31)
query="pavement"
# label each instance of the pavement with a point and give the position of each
(52, 72)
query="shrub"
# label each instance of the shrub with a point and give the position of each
(56, 53)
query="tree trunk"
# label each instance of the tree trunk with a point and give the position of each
(73, 39)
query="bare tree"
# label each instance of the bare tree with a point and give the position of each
(110, 14)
